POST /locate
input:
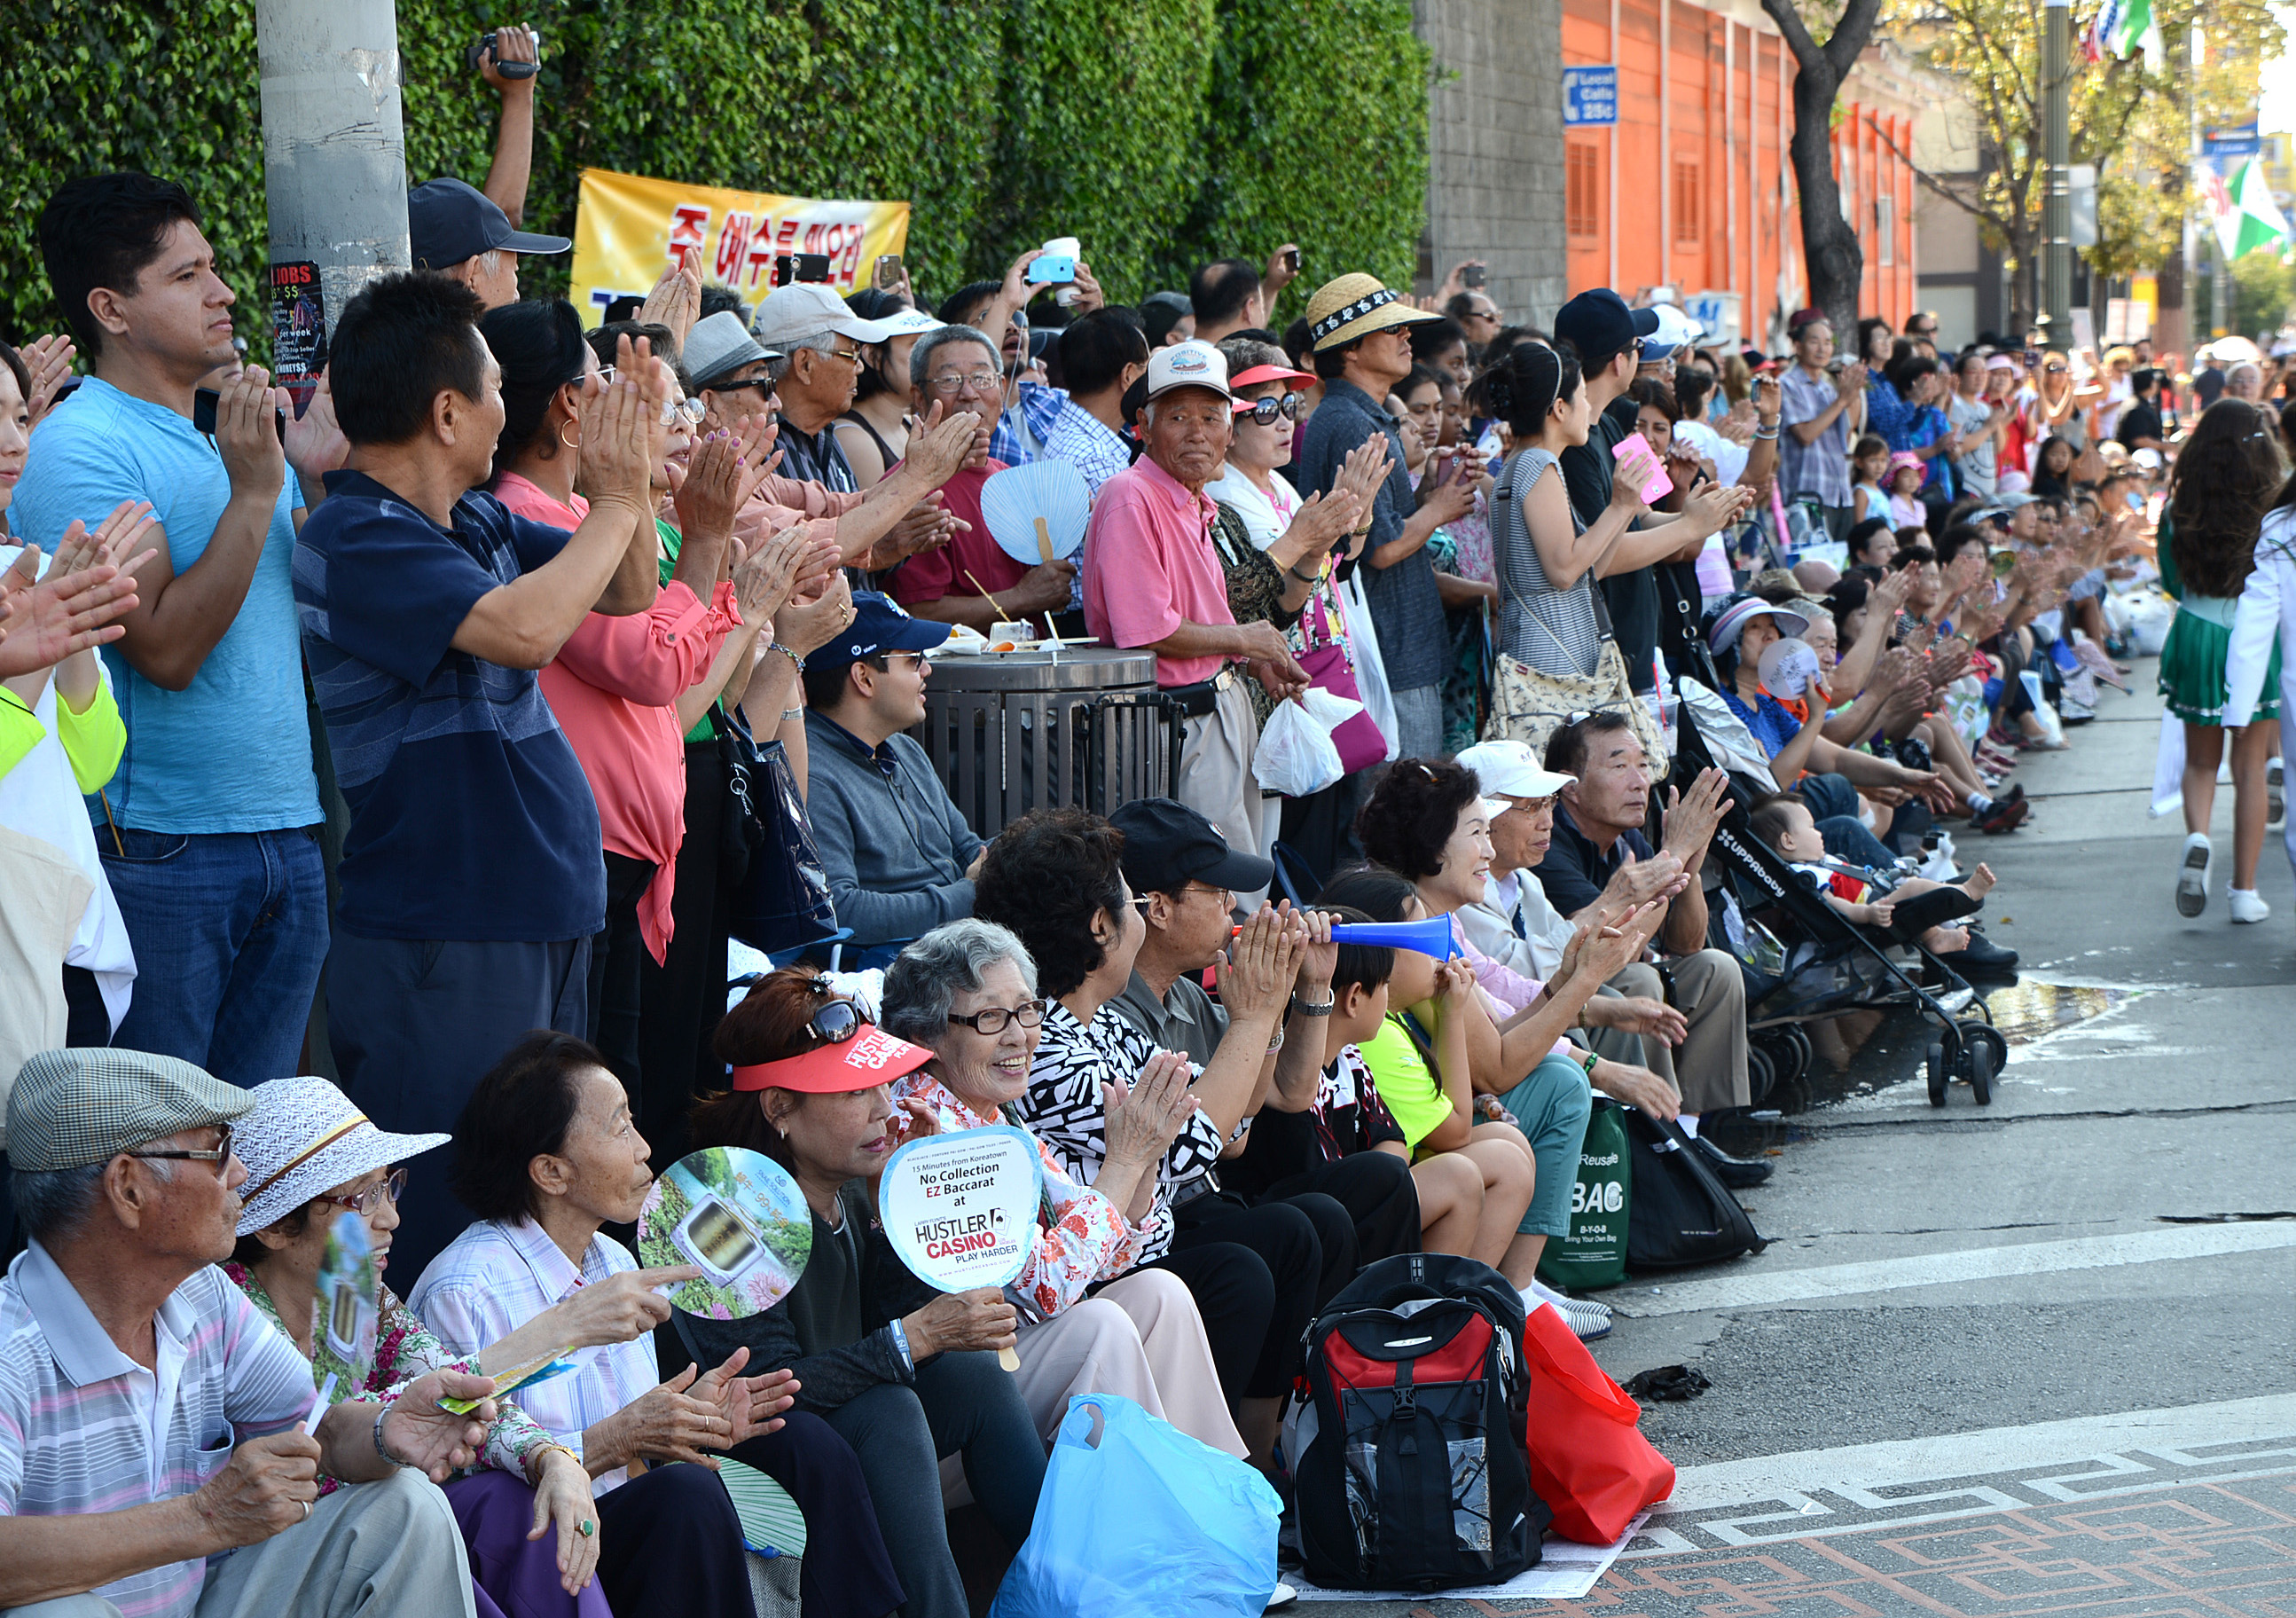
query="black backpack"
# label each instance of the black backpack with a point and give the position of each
(1410, 1471)
(1680, 1214)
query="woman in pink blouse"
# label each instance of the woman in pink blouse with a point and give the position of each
(967, 992)
(620, 686)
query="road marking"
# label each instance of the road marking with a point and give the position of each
(1812, 1493)
(1757, 1289)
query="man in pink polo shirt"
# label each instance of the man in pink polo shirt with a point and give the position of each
(1152, 579)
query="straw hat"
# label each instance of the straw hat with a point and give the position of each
(304, 1137)
(1357, 305)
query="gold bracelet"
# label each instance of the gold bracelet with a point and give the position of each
(535, 1458)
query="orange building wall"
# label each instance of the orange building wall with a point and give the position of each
(1699, 205)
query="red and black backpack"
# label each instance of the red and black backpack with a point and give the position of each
(1409, 1470)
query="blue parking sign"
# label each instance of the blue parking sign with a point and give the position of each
(1590, 97)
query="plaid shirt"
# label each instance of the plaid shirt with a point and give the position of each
(1040, 411)
(1819, 470)
(84, 1429)
(494, 1279)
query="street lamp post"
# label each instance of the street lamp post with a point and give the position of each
(334, 168)
(2056, 200)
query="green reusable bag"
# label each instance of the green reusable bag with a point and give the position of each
(1595, 1253)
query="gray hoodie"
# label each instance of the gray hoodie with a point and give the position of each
(894, 845)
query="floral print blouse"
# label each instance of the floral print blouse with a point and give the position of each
(1082, 1237)
(403, 1350)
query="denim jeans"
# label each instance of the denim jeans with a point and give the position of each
(230, 930)
(1833, 805)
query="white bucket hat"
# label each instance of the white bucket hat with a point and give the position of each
(304, 1137)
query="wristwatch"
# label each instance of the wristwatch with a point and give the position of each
(1302, 1008)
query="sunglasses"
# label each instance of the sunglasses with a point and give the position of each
(834, 1022)
(219, 1154)
(1263, 412)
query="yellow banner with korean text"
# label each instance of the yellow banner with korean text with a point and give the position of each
(627, 228)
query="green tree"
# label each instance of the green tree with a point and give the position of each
(2263, 290)
(2131, 118)
(1830, 253)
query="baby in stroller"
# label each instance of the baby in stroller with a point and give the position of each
(1910, 908)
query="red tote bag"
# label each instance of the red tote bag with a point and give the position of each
(1588, 1460)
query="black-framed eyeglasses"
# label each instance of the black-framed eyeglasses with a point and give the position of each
(219, 1154)
(993, 1018)
(1263, 412)
(363, 1202)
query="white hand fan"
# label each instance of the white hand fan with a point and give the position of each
(1036, 512)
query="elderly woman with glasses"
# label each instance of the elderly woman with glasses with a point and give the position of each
(904, 1373)
(967, 992)
(528, 1518)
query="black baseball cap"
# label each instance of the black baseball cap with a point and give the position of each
(1598, 323)
(1167, 845)
(448, 221)
(879, 624)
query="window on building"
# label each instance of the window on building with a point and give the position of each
(1685, 203)
(1885, 229)
(1583, 190)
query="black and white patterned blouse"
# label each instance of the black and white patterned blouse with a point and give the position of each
(1064, 1105)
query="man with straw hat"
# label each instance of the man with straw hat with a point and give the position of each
(150, 1419)
(1361, 332)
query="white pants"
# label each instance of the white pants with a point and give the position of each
(1140, 1336)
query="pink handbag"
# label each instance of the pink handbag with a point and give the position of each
(1331, 669)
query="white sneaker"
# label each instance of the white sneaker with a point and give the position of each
(1282, 1595)
(2193, 874)
(2247, 905)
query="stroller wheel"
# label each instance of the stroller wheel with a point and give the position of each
(1761, 1074)
(1974, 1034)
(1981, 1070)
(1804, 1053)
(1938, 1075)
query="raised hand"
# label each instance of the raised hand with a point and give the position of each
(711, 494)
(49, 360)
(940, 447)
(247, 434)
(1255, 973)
(620, 1309)
(1146, 1116)
(810, 622)
(1716, 506)
(438, 1443)
(316, 444)
(619, 424)
(675, 300)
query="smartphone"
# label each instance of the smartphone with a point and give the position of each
(204, 401)
(801, 267)
(1292, 259)
(1051, 269)
(2032, 359)
(1472, 277)
(888, 274)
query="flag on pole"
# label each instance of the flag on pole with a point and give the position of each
(2246, 216)
(2122, 27)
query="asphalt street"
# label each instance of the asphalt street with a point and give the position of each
(2029, 1358)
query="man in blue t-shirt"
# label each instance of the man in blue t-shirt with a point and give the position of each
(208, 832)
(472, 877)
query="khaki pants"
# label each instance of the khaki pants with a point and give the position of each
(1709, 1070)
(1215, 778)
(381, 1548)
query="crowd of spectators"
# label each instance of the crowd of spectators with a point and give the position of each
(412, 739)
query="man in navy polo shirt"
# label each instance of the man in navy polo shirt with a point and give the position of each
(471, 880)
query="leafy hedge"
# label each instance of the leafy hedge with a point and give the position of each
(1162, 135)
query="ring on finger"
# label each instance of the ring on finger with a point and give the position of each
(586, 1528)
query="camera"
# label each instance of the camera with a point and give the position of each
(1051, 269)
(800, 266)
(204, 401)
(1472, 277)
(475, 56)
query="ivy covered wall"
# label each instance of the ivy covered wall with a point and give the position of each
(1161, 135)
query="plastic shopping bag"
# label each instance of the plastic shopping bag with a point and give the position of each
(1329, 709)
(1588, 1461)
(1139, 1520)
(1296, 754)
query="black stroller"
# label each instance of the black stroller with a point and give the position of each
(1825, 965)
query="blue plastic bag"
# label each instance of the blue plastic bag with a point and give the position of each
(1139, 1520)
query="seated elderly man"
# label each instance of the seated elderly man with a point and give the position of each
(1596, 854)
(1153, 579)
(150, 1419)
(900, 858)
(1186, 878)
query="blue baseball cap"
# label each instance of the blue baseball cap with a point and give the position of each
(879, 624)
(450, 220)
(1597, 323)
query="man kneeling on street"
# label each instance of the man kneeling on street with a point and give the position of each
(1571, 842)
(155, 1457)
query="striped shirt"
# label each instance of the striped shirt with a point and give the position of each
(84, 1429)
(494, 1279)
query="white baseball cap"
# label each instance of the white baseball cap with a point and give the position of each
(804, 307)
(1188, 364)
(1510, 770)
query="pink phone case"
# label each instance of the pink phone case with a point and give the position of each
(1656, 484)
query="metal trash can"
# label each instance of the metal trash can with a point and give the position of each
(1083, 727)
